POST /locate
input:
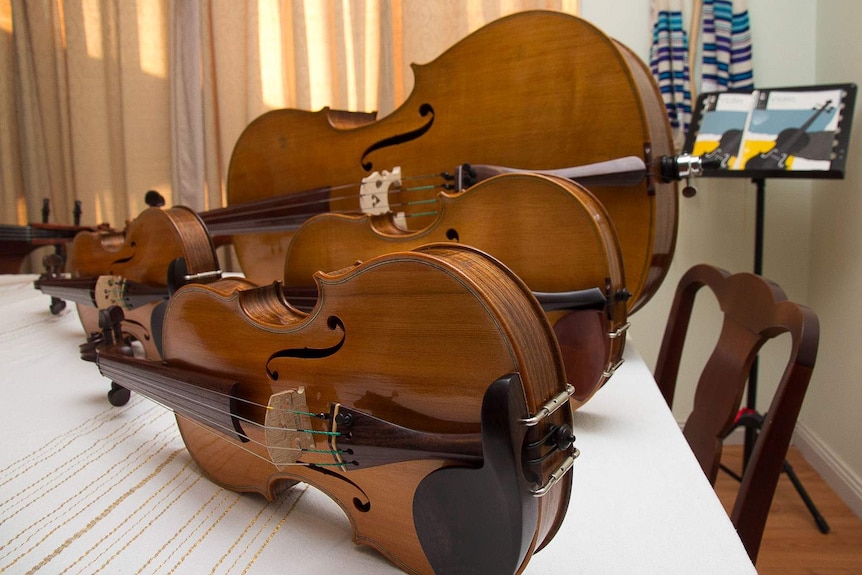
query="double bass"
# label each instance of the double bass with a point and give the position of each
(424, 393)
(535, 90)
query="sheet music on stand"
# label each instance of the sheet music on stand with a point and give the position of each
(800, 132)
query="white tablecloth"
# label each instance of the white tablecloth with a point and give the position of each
(86, 487)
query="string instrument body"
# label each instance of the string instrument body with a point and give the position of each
(143, 252)
(17, 242)
(414, 339)
(551, 232)
(536, 90)
(544, 215)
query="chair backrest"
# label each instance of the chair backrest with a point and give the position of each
(755, 310)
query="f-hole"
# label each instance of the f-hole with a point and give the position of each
(426, 111)
(452, 235)
(334, 323)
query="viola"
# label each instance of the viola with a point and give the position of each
(153, 240)
(424, 393)
(536, 90)
(551, 232)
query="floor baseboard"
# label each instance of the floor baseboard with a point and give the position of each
(844, 482)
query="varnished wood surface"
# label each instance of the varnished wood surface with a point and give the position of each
(142, 252)
(536, 90)
(755, 310)
(792, 544)
(560, 239)
(413, 338)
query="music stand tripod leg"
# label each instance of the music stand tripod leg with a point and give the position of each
(753, 421)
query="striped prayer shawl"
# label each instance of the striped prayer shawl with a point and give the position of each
(726, 47)
(669, 65)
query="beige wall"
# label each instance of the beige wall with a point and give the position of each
(832, 413)
(813, 239)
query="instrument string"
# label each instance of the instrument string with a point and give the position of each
(215, 428)
(214, 425)
(209, 407)
(9, 232)
(271, 210)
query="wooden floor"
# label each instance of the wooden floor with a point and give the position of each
(792, 543)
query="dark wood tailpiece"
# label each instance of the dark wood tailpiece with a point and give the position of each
(205, 398)
(370, 441)
(482, 520)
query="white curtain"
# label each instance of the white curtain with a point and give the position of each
(102, 100)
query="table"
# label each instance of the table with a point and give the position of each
(87, 488)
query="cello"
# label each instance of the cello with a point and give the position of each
(424, 393)
(535, 90)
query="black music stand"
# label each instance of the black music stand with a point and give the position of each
(799, 132)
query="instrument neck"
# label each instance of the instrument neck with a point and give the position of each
(207, 399)
(281, 213)
(38, 233)
(287, 213)
(804, 127)
(102, 292)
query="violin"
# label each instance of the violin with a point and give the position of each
(726, 149)
(17, 242)
(535, 90)
(158, 251)
(424, 393)
(788, 142)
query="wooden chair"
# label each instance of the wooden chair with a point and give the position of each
(755, 310)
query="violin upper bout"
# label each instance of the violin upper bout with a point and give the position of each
(91, 253)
